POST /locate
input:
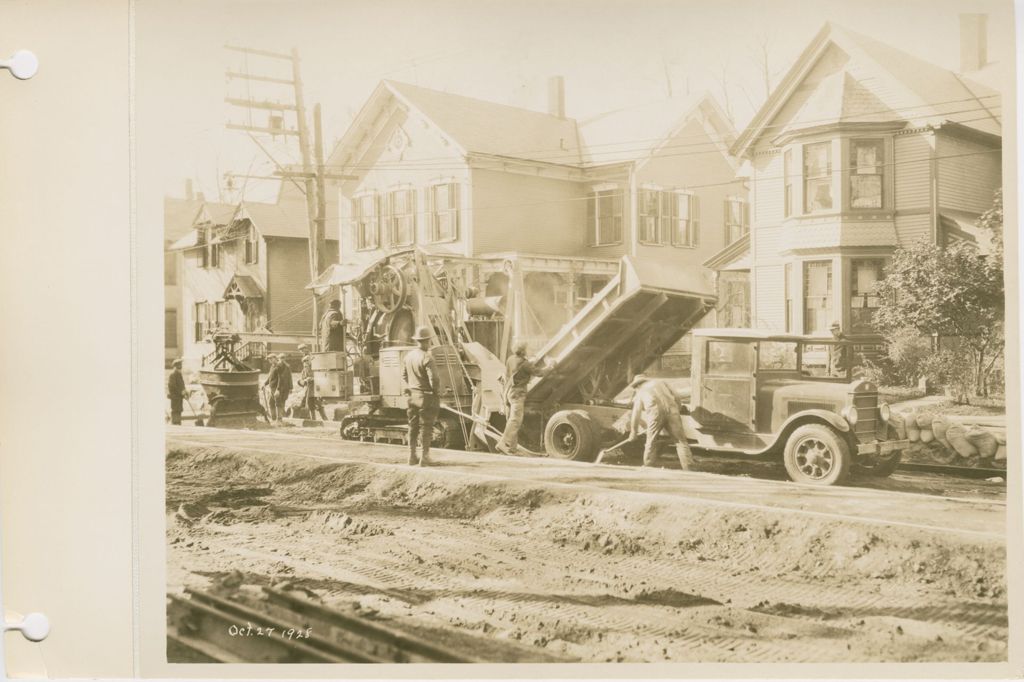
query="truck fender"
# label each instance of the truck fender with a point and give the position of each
(810, 417)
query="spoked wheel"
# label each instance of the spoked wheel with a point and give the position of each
(816, 454)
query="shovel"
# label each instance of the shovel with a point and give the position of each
(199, 417)
(616, 446)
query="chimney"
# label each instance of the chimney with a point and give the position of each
(556, 96)
(189, 194)
(973, 42)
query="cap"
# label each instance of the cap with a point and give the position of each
(176, 363)
(518, 345)
(423, 332)
(638, 379)
(835, 325)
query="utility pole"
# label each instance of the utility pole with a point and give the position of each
(312, 181)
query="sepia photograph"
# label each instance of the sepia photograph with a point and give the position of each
(585, 331)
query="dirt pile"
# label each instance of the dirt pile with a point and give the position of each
(750, 542)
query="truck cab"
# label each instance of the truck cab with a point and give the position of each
(760, 394)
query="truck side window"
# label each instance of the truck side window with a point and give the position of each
(730, 358)
(777, 355)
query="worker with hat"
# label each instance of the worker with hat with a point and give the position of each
(279, 381)
(656, 405)
(518, 371)
(176, 391)
(424, 402)
(839, 352)
(332, 328)
(313, 404)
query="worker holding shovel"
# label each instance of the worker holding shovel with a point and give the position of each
(656, 404)
(520, 370)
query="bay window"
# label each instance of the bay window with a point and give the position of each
(604, 217)
(865, 274)
(817, 177)
(817, 296)
(867, 160)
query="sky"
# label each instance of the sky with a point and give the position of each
(612, 54)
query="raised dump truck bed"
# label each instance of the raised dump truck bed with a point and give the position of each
(638, 316)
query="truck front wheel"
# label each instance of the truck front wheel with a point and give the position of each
(571, 434)
(816, 454)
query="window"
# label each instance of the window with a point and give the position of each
(170, 268)
(364, 209)
(402, 217)
(444, 223)
(734, 299)
(787, 287)
(729, 358)
(817, 177)
(252, 247)
(657, 213)
(604, 217)
(866, 164)
(203, 316)
(865, 273)
(737, 219)
(787, 181)
(686, 223)
(777, 355)
(817, 297)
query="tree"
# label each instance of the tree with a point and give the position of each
(951, 291)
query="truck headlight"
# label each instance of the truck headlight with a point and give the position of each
(849, 413)
(884, 411)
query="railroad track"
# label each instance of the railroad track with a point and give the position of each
(286, 627)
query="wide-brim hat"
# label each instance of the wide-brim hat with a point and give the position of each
(422, 333)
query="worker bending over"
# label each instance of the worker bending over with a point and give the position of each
(421, 387)
(519, 371)
(656, 405)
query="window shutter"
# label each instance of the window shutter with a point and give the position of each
(591, 224)
(695, 220)
(746, 216)
(432, 213)
(414, 219)
(378, 217)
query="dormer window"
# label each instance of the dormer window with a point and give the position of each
(817, 177)
(867, 160)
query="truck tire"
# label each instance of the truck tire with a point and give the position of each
(571, 434)
(448, 433)
(816, 454)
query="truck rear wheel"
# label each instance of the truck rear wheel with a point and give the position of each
(816, 454)
(571, 434)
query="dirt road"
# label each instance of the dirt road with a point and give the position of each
(543, 560)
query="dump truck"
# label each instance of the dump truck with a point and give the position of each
(818, 426)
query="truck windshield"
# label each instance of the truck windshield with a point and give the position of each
(777, 355)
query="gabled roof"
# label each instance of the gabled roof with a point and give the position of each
(283, 219)
(490, 128)
(636, 132)
(178, 217)
(214, 213)
(916, 91)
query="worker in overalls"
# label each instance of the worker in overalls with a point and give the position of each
(518, 371)
(279, 381)
(313, 404)
(421, 387)
(656, 406)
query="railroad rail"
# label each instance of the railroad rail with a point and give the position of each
(282, 626)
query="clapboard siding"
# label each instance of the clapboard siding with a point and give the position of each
(969, 174)
(289, 304)
(912, 166)
(769, 191)
(516, 212)
(913, 228)
(769, 244)
(770, 303)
